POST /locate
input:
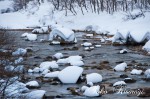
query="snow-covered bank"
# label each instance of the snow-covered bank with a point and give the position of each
(42, 15)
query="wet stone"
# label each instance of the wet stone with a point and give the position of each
(123, 76)
(129, 80)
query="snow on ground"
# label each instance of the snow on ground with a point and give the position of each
(42, 15)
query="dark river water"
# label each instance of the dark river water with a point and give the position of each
(93, 58)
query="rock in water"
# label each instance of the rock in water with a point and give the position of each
(93, 77)
(37, 94)
(121, 67)
(70, 74)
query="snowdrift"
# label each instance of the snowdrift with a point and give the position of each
(62, 35)
(131, 37)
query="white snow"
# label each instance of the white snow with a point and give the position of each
(31, 37)
(118, 83)
(83, 88)
(36, 94)
(90, 83)
(70, 74)
(55, 42)
(136, 72)
(36, 70)
(74, 60)
(92, 91)
(9, 68)
(32, 84)
(52, 74)
(24, 34)
(30, 71)
(48, 65)
(77, 63)
(89, 35)
(45, 71)
(62, 61)
(93, 28)
(93, 77)
(15, 90)
(58, 55)
(19, 51)
(146, 47)
(86, 44)
(147, 73)
(19, 68)
(120, 67)
(62, 34)
(19, 60)
(98, 46)
(123, 51)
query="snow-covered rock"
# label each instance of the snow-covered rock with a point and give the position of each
(30, 71)
(120, 67)
(62, 61)
(77, 63)
(93, 28)
(15, 90)
(89, 35)
(52, 74)
(98, 46)
(58, 55)
(136, 72)
(119, 37)
(70, 74)
(24, 34)
(32, 84)
(147, 73)
(119, 83)
(36, 94)
(39, 30)
(92, 91)
(90, 84)
(146, 47)
(86, 44)
(48, 65)
(36, 70)
(131, 37)
(9, 68)
(93, 77)
(83, 88)
(55, 42)
(19, 68)
(123, 51)
(31, 37)
(19, 52)
(63, 34)
(19, 60)
(45, 71)
(74, 58)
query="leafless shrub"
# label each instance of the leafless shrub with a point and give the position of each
(6, 59)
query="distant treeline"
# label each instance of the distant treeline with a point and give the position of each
(96, 6)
